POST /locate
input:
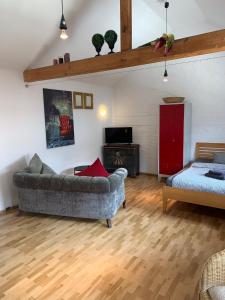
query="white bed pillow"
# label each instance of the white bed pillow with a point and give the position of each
(219, 158)
(217, 292)
(210, 166)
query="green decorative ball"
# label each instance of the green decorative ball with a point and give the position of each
(98, 42)
(111, 38)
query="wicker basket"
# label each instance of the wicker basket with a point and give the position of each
(170, 100)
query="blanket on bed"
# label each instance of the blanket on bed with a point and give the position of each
(194, 178)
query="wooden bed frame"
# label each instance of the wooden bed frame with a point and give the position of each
(203, 151)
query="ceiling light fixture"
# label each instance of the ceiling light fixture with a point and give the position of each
(63, 26)
(165, 77)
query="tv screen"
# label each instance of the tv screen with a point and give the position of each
(118, 135)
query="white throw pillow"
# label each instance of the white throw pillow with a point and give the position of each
(217, 292)
(219, 158)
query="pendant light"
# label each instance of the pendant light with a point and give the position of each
(165, 77)
(63, 26)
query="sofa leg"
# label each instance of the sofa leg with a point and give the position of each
(124, 204)
(109, 223)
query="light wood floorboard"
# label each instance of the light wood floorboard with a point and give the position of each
(145, 256)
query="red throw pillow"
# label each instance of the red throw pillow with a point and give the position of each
(95, 170)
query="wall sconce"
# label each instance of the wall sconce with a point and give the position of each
(102, 112)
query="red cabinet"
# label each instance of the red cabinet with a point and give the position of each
(174, 138)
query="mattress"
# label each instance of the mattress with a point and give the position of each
(193, 178)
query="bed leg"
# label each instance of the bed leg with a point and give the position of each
(164, 204)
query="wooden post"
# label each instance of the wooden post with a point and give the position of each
(126, 24)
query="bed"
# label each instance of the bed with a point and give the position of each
(212, 194)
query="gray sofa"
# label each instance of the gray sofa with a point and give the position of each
(71, 196)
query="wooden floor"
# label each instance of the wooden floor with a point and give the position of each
(146, 255)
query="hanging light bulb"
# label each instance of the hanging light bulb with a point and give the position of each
(63, 26)
(64, 34)
(165, 76)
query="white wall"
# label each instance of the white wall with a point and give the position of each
(139, 94)
(22, 129)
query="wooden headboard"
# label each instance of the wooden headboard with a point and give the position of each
(207, 150)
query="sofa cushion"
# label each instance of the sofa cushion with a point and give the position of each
(217, 292)
(35, 165)
(219, 158)
(95, 170)
(47, 170)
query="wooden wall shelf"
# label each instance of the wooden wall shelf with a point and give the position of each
(192, 46)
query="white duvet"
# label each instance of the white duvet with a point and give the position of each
(193, 178)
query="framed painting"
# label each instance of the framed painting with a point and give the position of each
(78, 100)
(59, 124)
(88, 101)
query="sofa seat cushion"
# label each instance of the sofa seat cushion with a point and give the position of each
(217, 292)
(36, 164)
(95, 170)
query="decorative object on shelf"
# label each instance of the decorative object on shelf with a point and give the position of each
(63, 26)
(88, 101)
(170, 100)
(58, 118)
(98, 42)
(55, 61)
(169, 43)
(78, 100)
(60, 60)
(166, 40)
(111, 38)
(66, 58)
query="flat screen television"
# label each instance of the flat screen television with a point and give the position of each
(118, 135)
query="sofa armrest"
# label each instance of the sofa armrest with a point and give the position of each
(122, 172)
(117, 179)
(213, 274)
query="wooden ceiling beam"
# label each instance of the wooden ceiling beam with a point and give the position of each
(191, 46)
(126, 24)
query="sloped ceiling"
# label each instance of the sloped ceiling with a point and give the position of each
(29, 28)
(191, 17)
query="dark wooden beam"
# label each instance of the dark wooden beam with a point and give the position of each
(192, 46)
(126, 24)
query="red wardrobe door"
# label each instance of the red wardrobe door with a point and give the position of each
(171, 139)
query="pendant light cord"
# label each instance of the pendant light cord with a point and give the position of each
(62, 6)
(166, 7)
(166, 20)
